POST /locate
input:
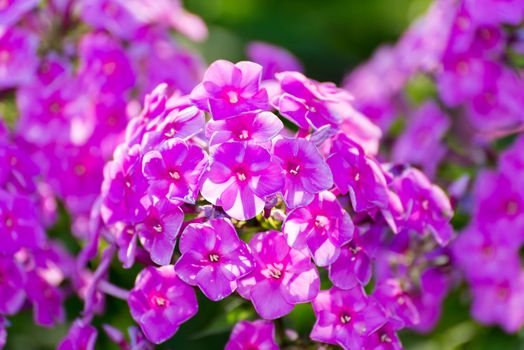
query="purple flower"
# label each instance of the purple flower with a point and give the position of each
(213, 258)
(124, 187)
(249, 127)
(362, 130)
(240, 177)
(12, 283)
(427, 206)
(153, 49)
(116, 16)
(173, 170)
(486, 247)
(375, 85)
(12, 10)
(345, 317)
(247, 335)
(495, 110)
(19, 223)
(273, 59)
(182, 124)
(464, 76)
(353, 265)
(16, 168)
(434, 287)
(499, 300)
(306, 172)
(283, 276)
(397, 303)
(496, 11)
(81, 335)
(160, 302)
(356, 173)
(322, 227)
(309, 103)
(47, 300)
(228, 90)
(104, 65)
(18, 59)
(384, 339)
(159, 230)
(422, 137)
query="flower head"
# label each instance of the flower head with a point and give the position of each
(19, 223)
(80, 336)
(346, 317)
(322, 227)
(249, 127)
(240, 177)
(124, 187)
(228, 90)
(252, 335)
(427, 206)
(159, 230)
(213, 258)
(309, 103)
(160, 302)
(18, 60)
(173, 170)
(357, 174)
(283, 276)
(306, 172)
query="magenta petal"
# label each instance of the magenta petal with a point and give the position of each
(294, 109)
(323, 250)
(188, 266)
(268, 300)
(214, 284)
(302, 287)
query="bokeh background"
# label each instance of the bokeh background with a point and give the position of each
(330, 38)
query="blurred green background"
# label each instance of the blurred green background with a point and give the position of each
(330, 38)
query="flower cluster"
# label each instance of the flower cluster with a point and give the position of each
(472, 99)
(261, 209)
(71, 73)
(493, 240)
(75, 90)
(32, 266)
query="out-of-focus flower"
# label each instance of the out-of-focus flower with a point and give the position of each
(273, 59)
(13, 10)
(12, 280)
(423, 136)
(18, 59)
(19, 223)
(81, 336)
